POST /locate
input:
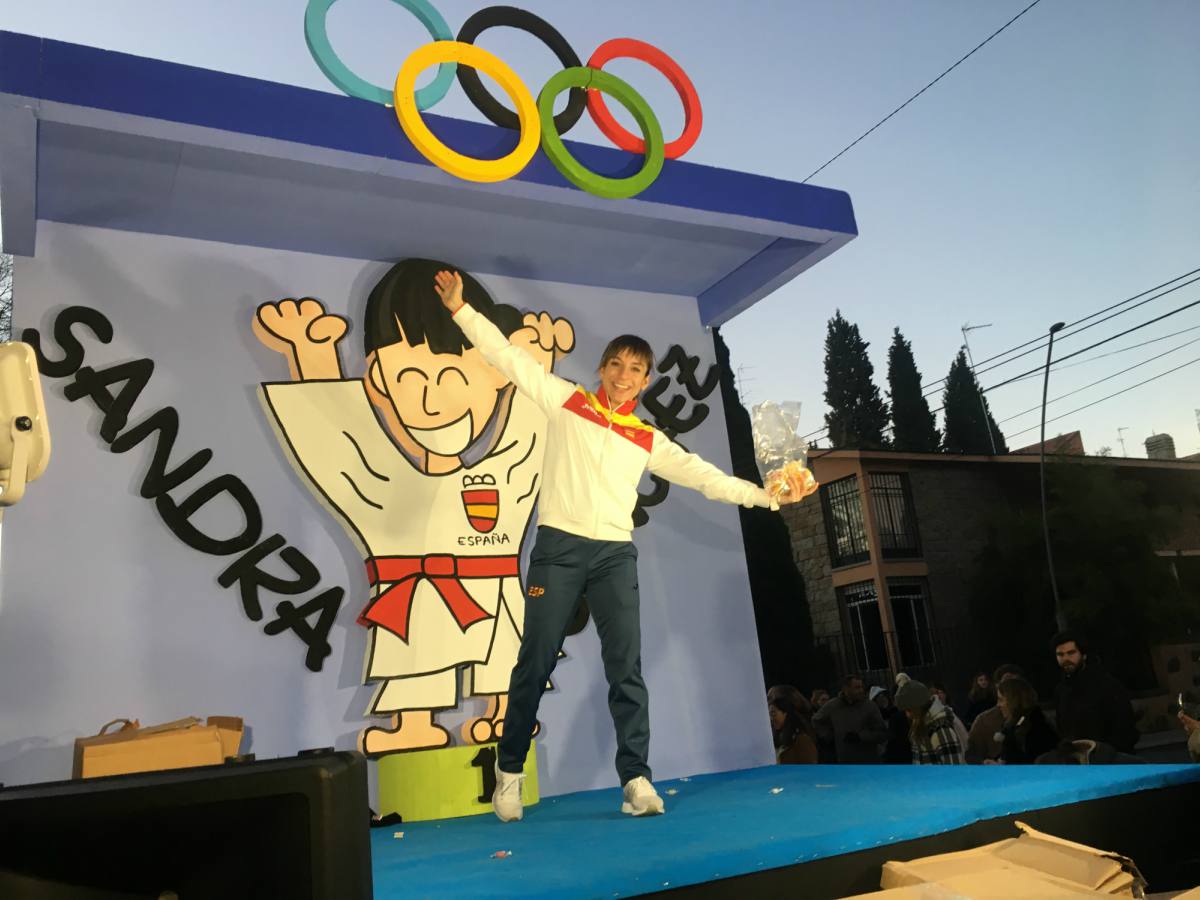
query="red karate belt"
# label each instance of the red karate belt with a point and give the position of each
(393, 607)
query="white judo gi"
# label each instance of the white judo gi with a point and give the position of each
(442, 551)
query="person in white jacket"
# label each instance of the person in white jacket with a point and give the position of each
(596, 451)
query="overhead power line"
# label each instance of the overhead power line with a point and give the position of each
(1097, 322)
(1084, 362)
(1099, 312)
(1119, 350)
(1078, 390)
(1079, 409)
(1100, 343)
(816, 435)
(1116, 394)
(922, 90)
(1040, 339)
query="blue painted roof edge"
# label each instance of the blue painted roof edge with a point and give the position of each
(86, 76)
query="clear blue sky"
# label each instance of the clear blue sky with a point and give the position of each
(1055, 172)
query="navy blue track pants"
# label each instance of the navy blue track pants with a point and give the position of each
(563, 568)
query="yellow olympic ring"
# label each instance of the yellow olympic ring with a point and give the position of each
(428, 145)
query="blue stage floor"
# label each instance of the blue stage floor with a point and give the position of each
(717, 826)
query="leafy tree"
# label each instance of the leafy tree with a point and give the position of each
(857, 414)
(912, 423)
(6, 283)
(966, 429)
(1104, 529)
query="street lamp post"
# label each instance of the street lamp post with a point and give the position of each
(1059, 618)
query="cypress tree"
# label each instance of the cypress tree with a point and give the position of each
(966, 428)
(913, 426)
(857, 414)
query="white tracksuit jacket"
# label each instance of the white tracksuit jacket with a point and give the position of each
(595, 456)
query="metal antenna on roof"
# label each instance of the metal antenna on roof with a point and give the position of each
(987, 420)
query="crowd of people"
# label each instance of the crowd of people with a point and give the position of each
(1002, 721)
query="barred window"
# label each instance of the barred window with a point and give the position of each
(861, 603)
(898, 536)
(845, 526)
(910, 612)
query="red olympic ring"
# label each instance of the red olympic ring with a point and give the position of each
(634, 49)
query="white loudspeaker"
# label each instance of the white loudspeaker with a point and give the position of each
(24, 434)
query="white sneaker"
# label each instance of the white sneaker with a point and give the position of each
(641, 799)
(506, 799)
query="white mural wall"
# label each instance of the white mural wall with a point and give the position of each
(220, 578)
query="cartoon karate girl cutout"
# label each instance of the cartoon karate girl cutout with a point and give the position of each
(431, 461)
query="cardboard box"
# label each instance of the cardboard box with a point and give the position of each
(173, 745)
(988, 884)
(1097, 872)
(913, 892)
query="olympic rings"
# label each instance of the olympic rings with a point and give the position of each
(647, 53)
(571, 169)
(434, 150)
(533, 119)
(317, 38)
(496, 112)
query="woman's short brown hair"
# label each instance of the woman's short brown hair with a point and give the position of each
(635, 346)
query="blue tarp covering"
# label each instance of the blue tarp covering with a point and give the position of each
(718, 826)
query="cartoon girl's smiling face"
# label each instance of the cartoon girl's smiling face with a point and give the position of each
(443, 401)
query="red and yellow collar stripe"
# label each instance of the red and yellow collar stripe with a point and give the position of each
(589, 406)
(622, 415)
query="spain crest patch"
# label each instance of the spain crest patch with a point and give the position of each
(481, 502)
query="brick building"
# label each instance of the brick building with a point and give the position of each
(888, 553)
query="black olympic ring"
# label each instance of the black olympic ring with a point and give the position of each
(495, 111)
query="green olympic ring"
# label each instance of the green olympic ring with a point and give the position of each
(317, 38)
(623, 93)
